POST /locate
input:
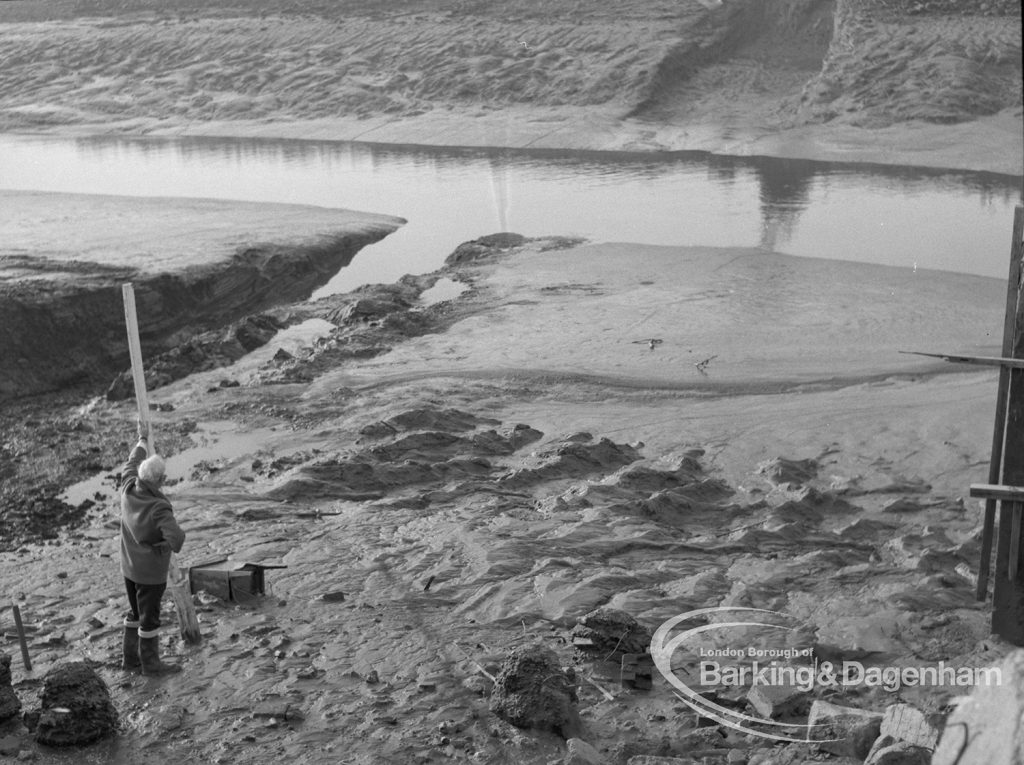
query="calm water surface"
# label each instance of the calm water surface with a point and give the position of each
(954, 221)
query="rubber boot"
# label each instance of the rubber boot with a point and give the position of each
(130, 647)
(149, 656)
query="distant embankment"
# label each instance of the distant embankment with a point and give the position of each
(942, 61)
(877, 61)
(63, 321)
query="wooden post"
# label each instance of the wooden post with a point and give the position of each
(22, 642)
(177, 583)
(1008, 596)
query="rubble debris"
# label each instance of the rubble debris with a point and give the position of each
(579, 752)
(907, 736)
(75, 707)
(852, 731)
(777, 702)
(532, 691)
(707, 737)
(897, 753)
(904, 722)
(985, 729)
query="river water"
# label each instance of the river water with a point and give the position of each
(910, 217)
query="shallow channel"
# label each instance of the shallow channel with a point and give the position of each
(910, 217)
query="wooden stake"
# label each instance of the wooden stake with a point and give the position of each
(177, 583)
(21, 637)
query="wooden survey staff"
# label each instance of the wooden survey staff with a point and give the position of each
(177, 582)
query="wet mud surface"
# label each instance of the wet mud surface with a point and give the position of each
(433, 527)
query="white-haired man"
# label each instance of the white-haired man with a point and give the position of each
(149, 533)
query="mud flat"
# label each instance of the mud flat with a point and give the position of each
(446, 480)
(197, 265)
(895, 81)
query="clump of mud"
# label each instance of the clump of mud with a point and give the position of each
(75, 707)
(532, 691)
(609, 633)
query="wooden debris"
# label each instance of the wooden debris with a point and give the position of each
(475, 663)
(982, 361)
(993, 491)
(604, 692)
(181, 593)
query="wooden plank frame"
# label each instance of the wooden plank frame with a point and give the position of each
(1002, 394)
(1007, 466)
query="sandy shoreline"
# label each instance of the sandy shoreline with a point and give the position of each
(988, 144)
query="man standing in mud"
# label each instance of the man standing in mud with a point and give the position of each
(149, 534)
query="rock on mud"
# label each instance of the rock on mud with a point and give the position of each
(532, 691)
(75, 707)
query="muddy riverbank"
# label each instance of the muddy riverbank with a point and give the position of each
(197, 265)
(444, 481)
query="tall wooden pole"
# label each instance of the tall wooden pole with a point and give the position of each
(131, 321)
(1008, 595)
(177, 582)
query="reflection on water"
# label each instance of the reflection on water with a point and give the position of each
(785, 192)
(914, 217)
